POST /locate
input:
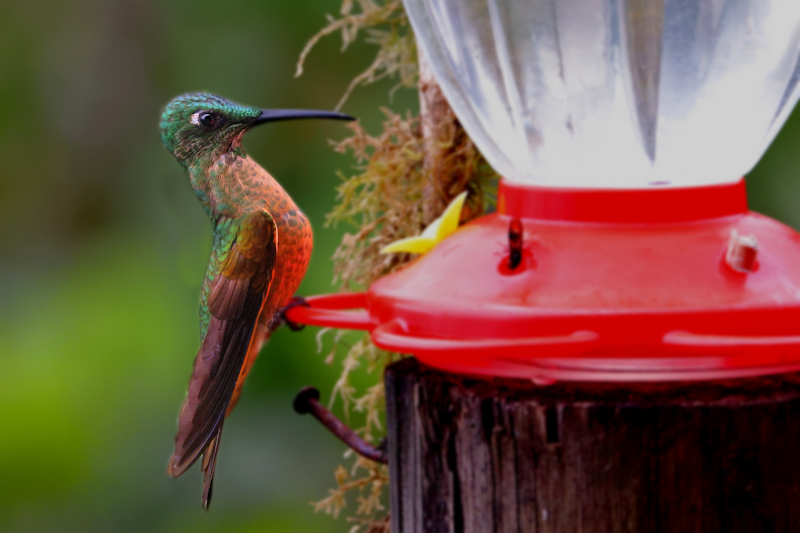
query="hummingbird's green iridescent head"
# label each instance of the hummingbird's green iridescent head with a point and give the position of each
(200, 128)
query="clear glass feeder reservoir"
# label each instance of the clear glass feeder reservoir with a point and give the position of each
(622, 129)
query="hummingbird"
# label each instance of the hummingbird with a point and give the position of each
(261, 248)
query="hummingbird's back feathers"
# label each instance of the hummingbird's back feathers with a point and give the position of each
(239, 276)
(208, 466)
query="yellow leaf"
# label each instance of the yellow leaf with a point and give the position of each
(412, 245)
(449, 220)
(436, 232)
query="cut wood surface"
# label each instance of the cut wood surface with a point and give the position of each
(499, 455)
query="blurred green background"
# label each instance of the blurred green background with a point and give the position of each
(104, 246)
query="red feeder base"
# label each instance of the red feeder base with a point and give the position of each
(614, 285)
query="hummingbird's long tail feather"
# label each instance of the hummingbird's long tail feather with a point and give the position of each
(208, 467)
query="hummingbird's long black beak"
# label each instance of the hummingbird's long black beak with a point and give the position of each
(274, 115)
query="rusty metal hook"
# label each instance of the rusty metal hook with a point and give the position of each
(307, 401)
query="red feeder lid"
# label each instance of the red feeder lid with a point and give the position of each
(613, 285)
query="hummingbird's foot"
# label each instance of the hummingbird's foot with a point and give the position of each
(280, 317)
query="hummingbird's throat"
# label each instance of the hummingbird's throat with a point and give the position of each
(236, 141)
(232, 152)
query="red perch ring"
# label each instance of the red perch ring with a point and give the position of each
(613, 285)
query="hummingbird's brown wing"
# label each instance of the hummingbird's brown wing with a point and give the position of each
(238, 280)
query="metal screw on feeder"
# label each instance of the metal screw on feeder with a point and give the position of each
(742, 251)
(515, 236)
(622, 130)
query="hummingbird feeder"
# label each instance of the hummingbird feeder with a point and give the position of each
(622, 248)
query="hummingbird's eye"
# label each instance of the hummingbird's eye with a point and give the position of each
(207, 120)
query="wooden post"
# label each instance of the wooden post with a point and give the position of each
(500, 455)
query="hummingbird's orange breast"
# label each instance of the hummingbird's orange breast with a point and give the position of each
(295, 239)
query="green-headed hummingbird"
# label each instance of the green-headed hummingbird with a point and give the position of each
(261, 247)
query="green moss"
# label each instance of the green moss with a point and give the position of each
(386, 26)
(383, 201)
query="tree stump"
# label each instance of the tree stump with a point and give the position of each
(500, 455)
